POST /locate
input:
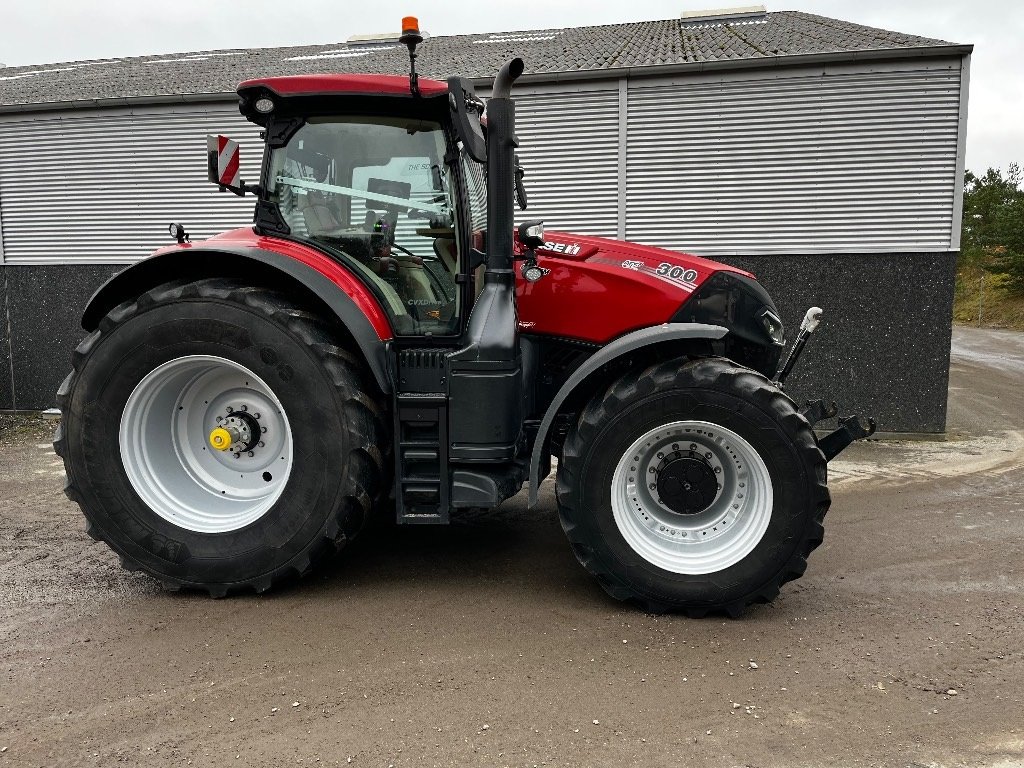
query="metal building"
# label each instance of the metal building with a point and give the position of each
(824, 156)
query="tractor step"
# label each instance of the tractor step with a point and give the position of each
(421, 438)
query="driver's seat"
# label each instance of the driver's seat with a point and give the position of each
(319, 217)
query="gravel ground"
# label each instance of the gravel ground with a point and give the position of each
(484, 643)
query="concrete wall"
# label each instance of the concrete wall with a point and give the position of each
(883, 349)
(43, 305)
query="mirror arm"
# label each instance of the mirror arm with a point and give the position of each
(243, 189)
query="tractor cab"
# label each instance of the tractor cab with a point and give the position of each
(372, 173)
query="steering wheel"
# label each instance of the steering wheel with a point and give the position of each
(406, 251)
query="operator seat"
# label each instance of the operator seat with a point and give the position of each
(319, 218)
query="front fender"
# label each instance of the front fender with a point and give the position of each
(350, 301)
(623, 345)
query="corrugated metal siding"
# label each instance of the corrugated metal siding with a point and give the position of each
(103, 186)
(760, 163)
(568, 145)
(862, 161)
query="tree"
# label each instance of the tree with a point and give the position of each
(992, 237)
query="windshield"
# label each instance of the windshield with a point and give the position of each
(376, 191)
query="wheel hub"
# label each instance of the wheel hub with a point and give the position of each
(238, 432)
(686, 483)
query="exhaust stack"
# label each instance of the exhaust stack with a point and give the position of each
(501, 170)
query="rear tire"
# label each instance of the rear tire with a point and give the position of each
(142, 398)
(734, 520)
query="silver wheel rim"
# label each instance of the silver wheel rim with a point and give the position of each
(164, 440)
(706, 542)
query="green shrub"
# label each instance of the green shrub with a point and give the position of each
(992, 237)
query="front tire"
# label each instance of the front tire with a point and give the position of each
(151, 386)
(692, 486)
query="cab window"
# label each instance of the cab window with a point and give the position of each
(376, 191)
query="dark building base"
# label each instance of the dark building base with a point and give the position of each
(882, 350)
(43, 305)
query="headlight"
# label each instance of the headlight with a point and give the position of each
(773, 325)
(738, 303)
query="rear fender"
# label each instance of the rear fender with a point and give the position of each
(623, 345)
(338, 289)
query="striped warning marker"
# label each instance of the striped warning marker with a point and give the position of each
(224, 152)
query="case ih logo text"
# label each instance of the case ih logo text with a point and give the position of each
(569, 249)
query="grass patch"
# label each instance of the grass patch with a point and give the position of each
(981, 300)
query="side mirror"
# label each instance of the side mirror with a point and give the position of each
(222, 164)
(467, 110)
(531, 235)
(520, 189)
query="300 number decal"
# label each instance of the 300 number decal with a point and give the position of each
(677, 273)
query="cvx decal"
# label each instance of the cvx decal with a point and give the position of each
(681, 277)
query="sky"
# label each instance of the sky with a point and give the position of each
(48, 31)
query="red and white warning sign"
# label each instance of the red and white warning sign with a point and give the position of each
(223, 157)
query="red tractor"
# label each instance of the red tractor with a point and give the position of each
(383, 338)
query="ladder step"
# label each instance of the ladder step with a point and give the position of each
(425, 518)
(420, 454)
(421, 436)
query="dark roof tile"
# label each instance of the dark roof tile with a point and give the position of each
(608, 47)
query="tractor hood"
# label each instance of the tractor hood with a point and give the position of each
(583, 247)
(598, 289)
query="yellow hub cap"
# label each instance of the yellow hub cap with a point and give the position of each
(220, 439)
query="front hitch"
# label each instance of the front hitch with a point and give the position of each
(850, 429)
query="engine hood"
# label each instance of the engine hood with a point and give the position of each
(583, 247)
(598, 289)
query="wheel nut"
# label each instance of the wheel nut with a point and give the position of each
(262, 443)
(229, 409)
(220, 418)
(255, 415)
(263, 429)
(238, 455)
(245, 408)
(251, 454)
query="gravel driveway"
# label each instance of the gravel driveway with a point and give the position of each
(484, 643)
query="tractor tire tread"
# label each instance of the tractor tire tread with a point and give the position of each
(712, 373)
(362, 402)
